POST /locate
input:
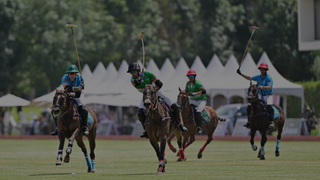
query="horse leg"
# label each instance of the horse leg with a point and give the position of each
(278, 140)
(253, 146)
(262, 143)
(205, 145)
(61, 144)
(161, 168)
(184, 144)
(172, 148)
(85, 153)
(182, 156)
(70, 144)
(92, 143)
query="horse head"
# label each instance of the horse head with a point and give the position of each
(149, 96)
(183, 98)
(60, 103)
(253, 92)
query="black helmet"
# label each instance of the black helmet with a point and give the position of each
(133, 66)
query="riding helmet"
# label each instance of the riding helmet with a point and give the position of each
(191, 72)
(72, 69)
(264, 66)
(133, 66)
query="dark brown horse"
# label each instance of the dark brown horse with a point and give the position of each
(259, 120)
(68, 123)
(188, 120)
(158, 125)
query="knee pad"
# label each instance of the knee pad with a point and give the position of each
(175, 106)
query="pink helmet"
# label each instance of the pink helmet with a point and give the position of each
(264, 66)
(191, 72)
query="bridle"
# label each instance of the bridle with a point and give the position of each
(150, 94)
(56, 104)
(179, 101)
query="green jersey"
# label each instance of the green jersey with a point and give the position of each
(148, 78)
(197, 86)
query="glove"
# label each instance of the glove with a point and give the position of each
(192, 94)
(141, 76)
(239, 72)
(78, 94)
(68, 88)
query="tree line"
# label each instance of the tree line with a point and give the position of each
(36, 47)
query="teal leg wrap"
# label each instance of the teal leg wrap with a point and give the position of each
(93, 162)
(87, 160)
(277, 146)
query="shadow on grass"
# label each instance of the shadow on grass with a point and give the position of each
(50, 174)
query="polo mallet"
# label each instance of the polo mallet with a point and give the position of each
(143, 54)
(244, 54)
(75, 44)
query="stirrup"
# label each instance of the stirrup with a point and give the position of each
(182, 128)
(271, 125)
(199, 130)
(54, 133)
(144, 135)
(247, 125)
(85, 130)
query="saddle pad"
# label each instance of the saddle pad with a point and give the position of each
(205, 117)
(89, 120)
(276, 112)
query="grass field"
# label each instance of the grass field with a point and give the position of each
(122, 159)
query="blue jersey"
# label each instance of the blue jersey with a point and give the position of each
(266, 81)
(78, 82)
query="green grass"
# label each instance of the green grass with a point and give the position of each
(120, 159)
(28, 110)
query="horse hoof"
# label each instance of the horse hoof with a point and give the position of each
(277, 153)
(199, 155)
(66, 159)
(179, 160)
(94, 171)
(178, 154)
(89, 169)
(262, 158)
(165, 160)
(58, 163)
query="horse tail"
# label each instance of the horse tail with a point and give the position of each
(221, 119)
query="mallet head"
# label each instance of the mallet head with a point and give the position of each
(255, 27)
(141, 35)
(71, 25)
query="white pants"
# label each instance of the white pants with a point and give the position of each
(200, 104)
(267, 98)
(159, 93)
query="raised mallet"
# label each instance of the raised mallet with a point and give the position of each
(140, 38)
(75, 44)
(244, 54)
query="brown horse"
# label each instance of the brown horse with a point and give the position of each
(188, 120)
(158, 125)
(68, 124)
(259, 120)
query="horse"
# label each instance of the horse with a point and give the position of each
(188, 120)
(259, 120)
(68, 124)
(158, 125)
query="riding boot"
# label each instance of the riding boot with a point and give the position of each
(247, 125)
(142, 119)
(271, 116)
(198, 119)
(55, 132)
(176, 113)
(84, 119)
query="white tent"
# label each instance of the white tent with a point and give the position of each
(97, 75)
(166, 72)
(179, 78)
(198, 67)
(10, 100)
(214, 69)
(108, 78)
(86, 73)
(152, 67)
